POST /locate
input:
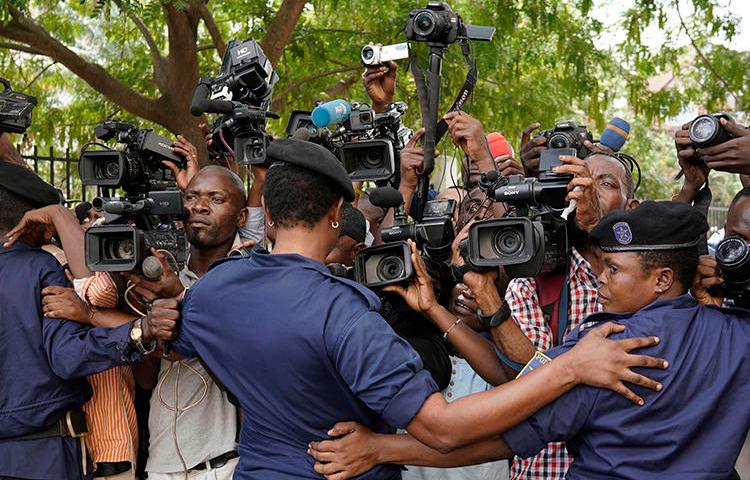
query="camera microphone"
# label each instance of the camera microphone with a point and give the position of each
(203, 104)
(331, 113)
(615, 134)
(152, 268)
(386, 197)
(303, 134)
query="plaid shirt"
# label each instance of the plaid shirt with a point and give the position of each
(552, 462)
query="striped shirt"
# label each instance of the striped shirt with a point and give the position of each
(110, 414)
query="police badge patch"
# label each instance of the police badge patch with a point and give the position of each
(622, 233)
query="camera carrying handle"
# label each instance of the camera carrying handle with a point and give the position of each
(6, 84)
(203, 104)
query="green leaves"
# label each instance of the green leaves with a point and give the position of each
(546, 63)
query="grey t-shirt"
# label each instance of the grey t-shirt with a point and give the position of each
(207, 429)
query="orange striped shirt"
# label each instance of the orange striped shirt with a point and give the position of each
(110, 414)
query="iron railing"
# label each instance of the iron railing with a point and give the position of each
(60, 171)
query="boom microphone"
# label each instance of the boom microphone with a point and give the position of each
(386, 197)
(331, 113)
(615, 134)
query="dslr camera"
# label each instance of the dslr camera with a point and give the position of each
(438, 25)
(146, 216)
(391, 262)
(568, 134)
(733, 258)
(532, 238)
(707, 131)
(15, 109)
(242, 93)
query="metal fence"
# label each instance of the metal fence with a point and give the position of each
(60, 170)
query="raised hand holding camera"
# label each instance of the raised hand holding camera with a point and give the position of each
(183, 174)
(731, 155)
(419, 294)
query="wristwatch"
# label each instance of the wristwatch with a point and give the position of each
(136, 336)
(501, 315)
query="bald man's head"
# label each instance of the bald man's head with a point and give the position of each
(235, 188)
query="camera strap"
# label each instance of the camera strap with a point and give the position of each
(554, 299)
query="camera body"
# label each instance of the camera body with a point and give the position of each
(438, 25)
(532, 238)
(376, 54)
(242, 92)
(145, 217)
(368, 143)
(568, 134)
(138, 168)
(733, 258)
(15, 109)
(391, 262)
(707, 131)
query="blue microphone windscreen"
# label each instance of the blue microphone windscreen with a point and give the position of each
(331, 113)
(615, 134)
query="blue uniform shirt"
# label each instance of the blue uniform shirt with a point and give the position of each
(43, 365)
(693, 429)
(301, 350)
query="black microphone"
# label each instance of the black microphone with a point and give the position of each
(386, 197)
(302, 134)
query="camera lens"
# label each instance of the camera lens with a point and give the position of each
(731, 251)
(424, 23)
(367, 53)
(391, 268)
(119, 249)
(508, 242)
(559, 140)
(109, 169)
(704, 129)
(371, 158)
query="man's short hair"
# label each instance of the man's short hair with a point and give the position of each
(236, 180)
(295, 195)
(13, 208)
(683, 262)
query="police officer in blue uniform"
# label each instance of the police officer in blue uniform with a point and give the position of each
(302, 349)
(695, 427)
(44, 361)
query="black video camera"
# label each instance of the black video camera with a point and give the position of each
(733, 258)
(15, 109)
(145, 217)
(568, 134)
(242, 92)
(437, 24)
(707, 131)
(532, 238)
(134, 226)
(137, 169)
(391, 262)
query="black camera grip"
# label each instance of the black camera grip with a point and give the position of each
(202, 104)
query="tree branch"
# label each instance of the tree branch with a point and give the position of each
(213, 28)
(36, 77)
(24, 30)
(702, 56)
(279, 98)
(152, 46)
(20, 48)
(281, 28)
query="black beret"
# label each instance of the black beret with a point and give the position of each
(353, 223)
(651, 226)
(25, 183)
(313, 157)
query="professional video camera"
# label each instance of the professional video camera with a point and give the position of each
(707, 131)
(733, 258)
(391, 262)
(137, 169)
(568, 134)
(532, 238)
(367, 143)
(15, 109)
(242, 92)
(145, 217)
(438, 24)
